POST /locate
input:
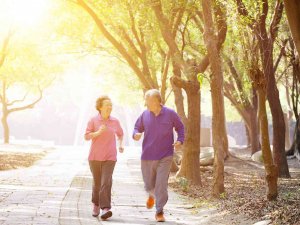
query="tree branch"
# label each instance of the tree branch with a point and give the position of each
(276, 19)
(19, 100)
(282, 51)
(29, 106)
(130, 42)
(4, 48)
(115, 43)
(184, 84)
(222, 31)
(242, 10)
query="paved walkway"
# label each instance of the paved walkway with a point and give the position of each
(57, 190)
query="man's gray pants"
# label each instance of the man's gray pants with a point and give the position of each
(155, 176)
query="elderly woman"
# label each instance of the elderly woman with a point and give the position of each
(102, 129)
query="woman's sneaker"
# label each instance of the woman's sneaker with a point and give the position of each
(106, 213)
(96, 210)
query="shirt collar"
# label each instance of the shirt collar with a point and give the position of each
(161, 111)
(100, 117)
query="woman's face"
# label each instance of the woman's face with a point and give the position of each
(106, 107)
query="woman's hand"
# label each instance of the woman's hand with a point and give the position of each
(100, 130)
(121, 149)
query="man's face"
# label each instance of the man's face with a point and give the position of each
(151, 102)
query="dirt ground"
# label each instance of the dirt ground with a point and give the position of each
(19, 156)
(245, 192)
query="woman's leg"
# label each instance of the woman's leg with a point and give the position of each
(95, 167)
(106, 183)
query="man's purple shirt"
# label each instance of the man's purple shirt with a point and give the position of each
(158, 133)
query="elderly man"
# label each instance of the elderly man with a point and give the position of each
(157, 123)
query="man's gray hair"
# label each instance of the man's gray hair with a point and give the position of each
(153, 93)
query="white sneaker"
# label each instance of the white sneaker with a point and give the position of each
(96, 210)
(106, 213)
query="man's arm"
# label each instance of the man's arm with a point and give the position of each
(179, 128)
(120, 135)
(138, 129)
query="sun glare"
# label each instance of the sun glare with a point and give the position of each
(26, 12)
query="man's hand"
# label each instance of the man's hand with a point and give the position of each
(137, 136)
(177, 145)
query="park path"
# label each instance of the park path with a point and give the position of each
(57, 190)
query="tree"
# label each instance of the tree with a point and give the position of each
(21, 70)
(217, 96)
(242, 95)
(266, 45)
(292, 9)
(271, 169)
(295, 89)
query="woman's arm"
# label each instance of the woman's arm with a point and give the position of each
(121, 147)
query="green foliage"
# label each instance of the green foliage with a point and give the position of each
(223, 195)
(200, 78)
(184, 184)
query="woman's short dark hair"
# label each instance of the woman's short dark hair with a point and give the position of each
(100, 101)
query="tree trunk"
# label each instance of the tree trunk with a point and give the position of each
(295, 148)
(190, 164)
(287, 131)
(292, 9)
(254, 124)
(178, 93)
(266, 47)
(254, 132)
(5, 127)
(297, 143)
(247, 132)
(178, 103)
(174, 167)
(278, 132)
(270, 168)
(217, 96)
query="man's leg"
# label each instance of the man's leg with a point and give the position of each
(106, 184)
(149, 175)
(161, 184)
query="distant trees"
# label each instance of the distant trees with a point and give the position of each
(23, 77)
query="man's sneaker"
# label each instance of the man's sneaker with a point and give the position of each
(160, 217)
(106, 213)
(150, 202)
(96, 210)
